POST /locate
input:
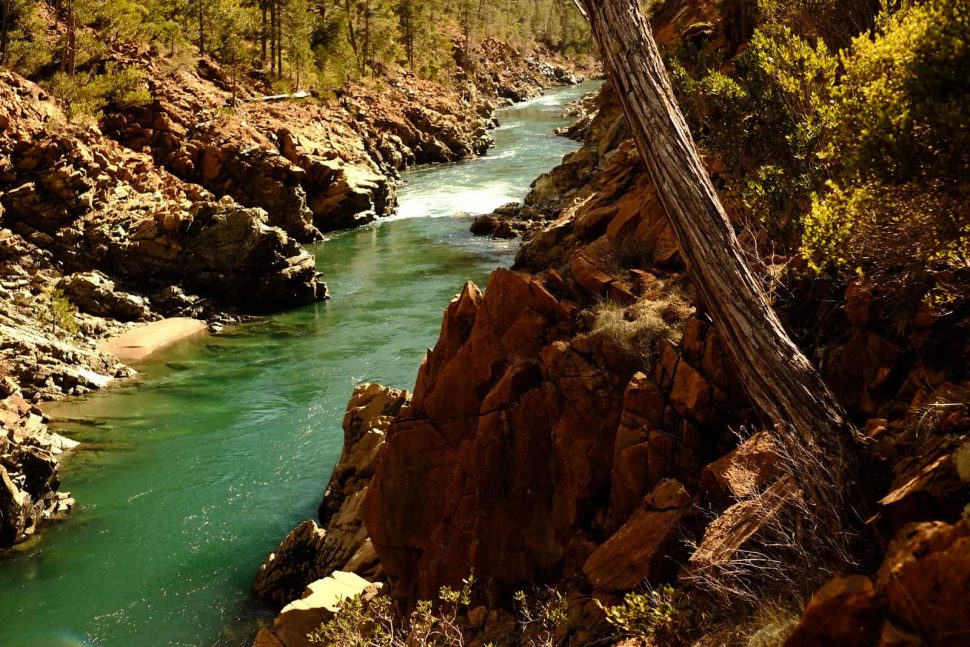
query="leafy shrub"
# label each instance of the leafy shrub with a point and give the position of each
(373, 623)
(660, 616)
(541, 615)
(763, 120)
(86, 94)
(57, 313)
(898, 149)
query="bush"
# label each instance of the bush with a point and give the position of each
(57, 313)
(763, 120)
(660, 616)
(86, 94)
(898, 150)
(372, 623)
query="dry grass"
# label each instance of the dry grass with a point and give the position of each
(639, 328)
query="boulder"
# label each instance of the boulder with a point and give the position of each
(846, 611)
(925, 579)
(319, 602)
(310, 552)
(649, 544)
(746, 470)
(96, 294)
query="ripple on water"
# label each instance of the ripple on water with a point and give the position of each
(199, 467)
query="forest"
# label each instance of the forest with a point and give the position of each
(319, 44)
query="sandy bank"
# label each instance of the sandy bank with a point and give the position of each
(143, 340)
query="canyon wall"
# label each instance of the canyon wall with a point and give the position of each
(579, 425)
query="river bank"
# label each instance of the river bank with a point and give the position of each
(195, 470)
(184, 208)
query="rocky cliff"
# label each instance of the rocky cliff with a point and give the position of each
(195, 205)
(579, 425)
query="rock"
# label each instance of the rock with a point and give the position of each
(925, 579)
(320, 601)
(737, 529)
(287, 570)
(846, 611)
(648, 545)
(745, 471)
(495, 465)
(309, 552)
(499, 227)
(95, 293)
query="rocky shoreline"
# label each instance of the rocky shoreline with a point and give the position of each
(542, 447)
(189, 207)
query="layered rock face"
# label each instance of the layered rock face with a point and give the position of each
(316, 167)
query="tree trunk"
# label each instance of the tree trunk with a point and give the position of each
(201, 28)
(69, 60)
(262, 34)
(272, 37)
(5, 31)
(279, 37)
(778, 378)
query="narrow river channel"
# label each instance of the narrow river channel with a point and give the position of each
(193, 472)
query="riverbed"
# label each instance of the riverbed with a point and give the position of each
(191, 473)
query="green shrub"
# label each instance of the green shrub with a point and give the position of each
(898, 149)
(373, 623)
(86, 94)
(762, 119)
(57, 313)
(660, 616)
(540, 615)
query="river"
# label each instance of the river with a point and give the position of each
(190, 474)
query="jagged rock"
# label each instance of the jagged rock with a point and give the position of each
(505, 414)
(737, 529)
(925, 579)
(95, 293)
(845, 611)
(286, 571)
(320, 601)
(28, 470)
(649, 545)
(310, 553)
(744, 471)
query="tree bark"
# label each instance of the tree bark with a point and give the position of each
(262, 33)
(201, 28)
(779, 380)
(5, 31)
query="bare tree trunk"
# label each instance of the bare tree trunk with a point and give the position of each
(5, 31)
(778, 378)
(69, 60)
(201, 28)
(279, 37)
(262, 34)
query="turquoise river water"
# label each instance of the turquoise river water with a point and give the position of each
(190, 474)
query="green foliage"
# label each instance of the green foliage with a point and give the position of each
(660, 616)
(57, 313)
(86, 94)
(28, 49)
(373, 623)
(540, 615)
(898, 149)
(763, 121)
